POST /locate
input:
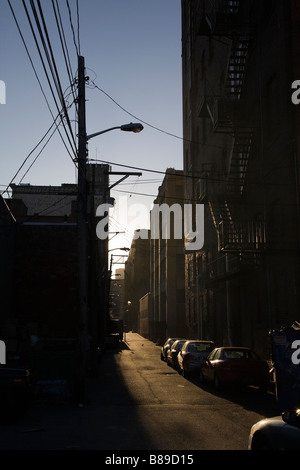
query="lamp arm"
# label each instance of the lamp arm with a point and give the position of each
(102, 132)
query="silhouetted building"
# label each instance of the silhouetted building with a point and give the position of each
(137, 278)
(241, 155)
(167, 260)
(43, 267)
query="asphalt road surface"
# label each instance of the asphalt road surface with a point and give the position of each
(137, 402)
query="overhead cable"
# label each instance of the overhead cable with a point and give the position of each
(36, 74)
(72, 27)
(52, 65)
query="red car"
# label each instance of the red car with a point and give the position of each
(233, 365)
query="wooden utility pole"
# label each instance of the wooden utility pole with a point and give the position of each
(82, 222)
(82, 233)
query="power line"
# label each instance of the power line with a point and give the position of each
(30, 153)
(205, 144)
(64, 46)
(153, 195)
(56, 75)
(142, 181)
(78, 28)
(36, 74)
(34, 161)
(201, 176)
(72, 27)
(46, 209)
(51, 63)
(128, 166)
(127, 235)
(151, 125)
(188, 200)
(31, 61)
(179, 175)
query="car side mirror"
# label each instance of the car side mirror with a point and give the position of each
(292, 417)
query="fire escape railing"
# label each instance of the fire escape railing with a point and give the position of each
(228, 18)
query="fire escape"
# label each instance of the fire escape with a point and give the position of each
(236, 234)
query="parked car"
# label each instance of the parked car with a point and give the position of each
(166, 346)
(192, 354)
(173, 351)
(15, 391)
(278, 433)
(234, 365)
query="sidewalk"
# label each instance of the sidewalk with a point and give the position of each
(54, 423)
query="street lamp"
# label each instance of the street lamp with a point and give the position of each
(121, 249)
(131, 127)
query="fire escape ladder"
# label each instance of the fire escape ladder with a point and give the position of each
(230, 20)
(239, 161)
(242, 135)
(221, 214)
(237, 67)
(231, 7)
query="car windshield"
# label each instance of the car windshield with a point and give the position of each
(200, 347)
(239, 354)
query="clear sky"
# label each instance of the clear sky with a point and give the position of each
(132, 51)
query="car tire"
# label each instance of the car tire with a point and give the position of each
(217, 383)
(185, 373)
(260, 442)
(201, 377)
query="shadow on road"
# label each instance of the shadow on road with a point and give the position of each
(250, 398)
(111, 419)
(107, 421)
